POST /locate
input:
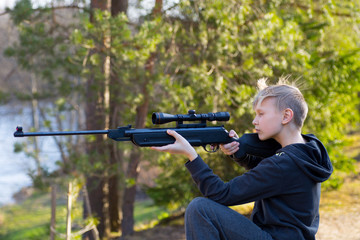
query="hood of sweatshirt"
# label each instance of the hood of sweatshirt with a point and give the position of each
(311, 157)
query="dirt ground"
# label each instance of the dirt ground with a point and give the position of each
(339, 217)
(340, 213)
(345, 225)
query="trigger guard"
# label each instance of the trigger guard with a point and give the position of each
(213, 148)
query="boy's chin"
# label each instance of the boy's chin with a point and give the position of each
(263, 137)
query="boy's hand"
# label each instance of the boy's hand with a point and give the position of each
(230, 148)
(180, 146)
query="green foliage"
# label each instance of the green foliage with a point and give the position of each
(129, 51)
(207, 57)
(22, 11)
(43, 48)
(219, 49)
(173, 187)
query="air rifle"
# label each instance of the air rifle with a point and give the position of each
(197, 134)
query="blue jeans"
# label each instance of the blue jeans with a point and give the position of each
(208, 220)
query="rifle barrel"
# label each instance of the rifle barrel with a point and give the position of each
(20, 133)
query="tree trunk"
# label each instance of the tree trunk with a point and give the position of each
(53, 212)
(103, 187)
(96, 119)
(96, 196)
(116, 181)
(68, 212)
(118, 6)
(35, 123)
(127, 223)
(95, 182)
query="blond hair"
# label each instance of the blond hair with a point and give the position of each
(287, 95)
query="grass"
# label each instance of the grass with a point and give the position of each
(26, 221)
(30, 220)
(146, 214)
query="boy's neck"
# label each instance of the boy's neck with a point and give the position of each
(290, 136)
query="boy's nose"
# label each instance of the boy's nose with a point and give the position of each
(255, 121)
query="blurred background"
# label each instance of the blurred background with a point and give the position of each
(100, 64)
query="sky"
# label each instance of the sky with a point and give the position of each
(133, 9)
(6, 3)
(11, 3)
(145, 4)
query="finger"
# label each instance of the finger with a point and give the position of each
(161, 149)
(230, 148)
(230, 152)
(234, 146)
(233, 150)
(174, 134)
(232, 133)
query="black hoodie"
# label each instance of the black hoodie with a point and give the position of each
(285, 188)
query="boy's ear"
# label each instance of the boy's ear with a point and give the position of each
(288, 115)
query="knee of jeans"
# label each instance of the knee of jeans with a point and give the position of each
(196, 204)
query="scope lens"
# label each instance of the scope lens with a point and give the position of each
(161, 118)
(221, 116)
(155, 118)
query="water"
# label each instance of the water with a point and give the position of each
(14, 167)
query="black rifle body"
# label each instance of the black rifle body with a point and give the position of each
(195, 134)
(147, 137)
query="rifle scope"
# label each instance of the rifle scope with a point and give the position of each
(160, 118)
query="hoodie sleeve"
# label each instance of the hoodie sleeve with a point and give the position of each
(247, 161)
(263, 181)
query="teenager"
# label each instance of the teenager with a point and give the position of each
(285, 187)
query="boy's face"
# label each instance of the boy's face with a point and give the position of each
(268, 119)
